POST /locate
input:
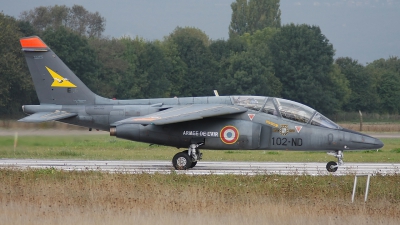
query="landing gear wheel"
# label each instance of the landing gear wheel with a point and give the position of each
(331, 166)
(193, 164)
(182, 161)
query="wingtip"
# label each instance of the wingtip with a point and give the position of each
(32, 42)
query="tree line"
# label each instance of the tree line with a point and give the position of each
(261, 57)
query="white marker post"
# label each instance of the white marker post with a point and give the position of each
(366, 187)
(15, 141)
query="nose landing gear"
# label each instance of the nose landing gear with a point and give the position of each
(333, 166)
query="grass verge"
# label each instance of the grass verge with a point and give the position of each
(59, 197)
(104, 147)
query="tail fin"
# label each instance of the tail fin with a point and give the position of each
(54, 82)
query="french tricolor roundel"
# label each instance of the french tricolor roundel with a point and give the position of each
(229, 135)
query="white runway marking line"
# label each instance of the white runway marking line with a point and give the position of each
(203, 167)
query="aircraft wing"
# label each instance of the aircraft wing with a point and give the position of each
(47, 116)
(183, 113)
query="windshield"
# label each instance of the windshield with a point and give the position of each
(322, 121)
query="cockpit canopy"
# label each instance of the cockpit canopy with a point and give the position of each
(286, 109)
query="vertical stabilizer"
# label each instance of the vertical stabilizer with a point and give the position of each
(54, 82)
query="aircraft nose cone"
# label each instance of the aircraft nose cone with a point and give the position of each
(378, 143)
(359, 141)
(371, 142)
(375, 143)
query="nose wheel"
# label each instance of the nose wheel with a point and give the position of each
(333, 166)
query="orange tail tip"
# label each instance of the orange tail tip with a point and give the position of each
(32, 42)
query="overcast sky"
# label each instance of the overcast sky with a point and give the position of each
(365, 30)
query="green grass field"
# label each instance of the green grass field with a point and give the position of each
(104, 147)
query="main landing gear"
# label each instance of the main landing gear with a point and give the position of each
(188, 159)
(333, 166)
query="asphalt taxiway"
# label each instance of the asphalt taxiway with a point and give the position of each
(203, 167)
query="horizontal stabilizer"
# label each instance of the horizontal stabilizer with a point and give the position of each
(183, 114)
(47, 116)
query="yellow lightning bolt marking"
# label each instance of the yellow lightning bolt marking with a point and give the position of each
(60, 81)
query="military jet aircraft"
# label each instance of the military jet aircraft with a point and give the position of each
(215, 122)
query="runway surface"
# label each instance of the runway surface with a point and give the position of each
(203, 167)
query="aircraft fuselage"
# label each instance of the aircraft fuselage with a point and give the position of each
(253, 130)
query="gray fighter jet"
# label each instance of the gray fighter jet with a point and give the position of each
(215, 122)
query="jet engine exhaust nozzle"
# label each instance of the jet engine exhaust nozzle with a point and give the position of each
(113, 131)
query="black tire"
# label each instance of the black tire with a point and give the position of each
(182, 161)
(331, 166)
(193, 164)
